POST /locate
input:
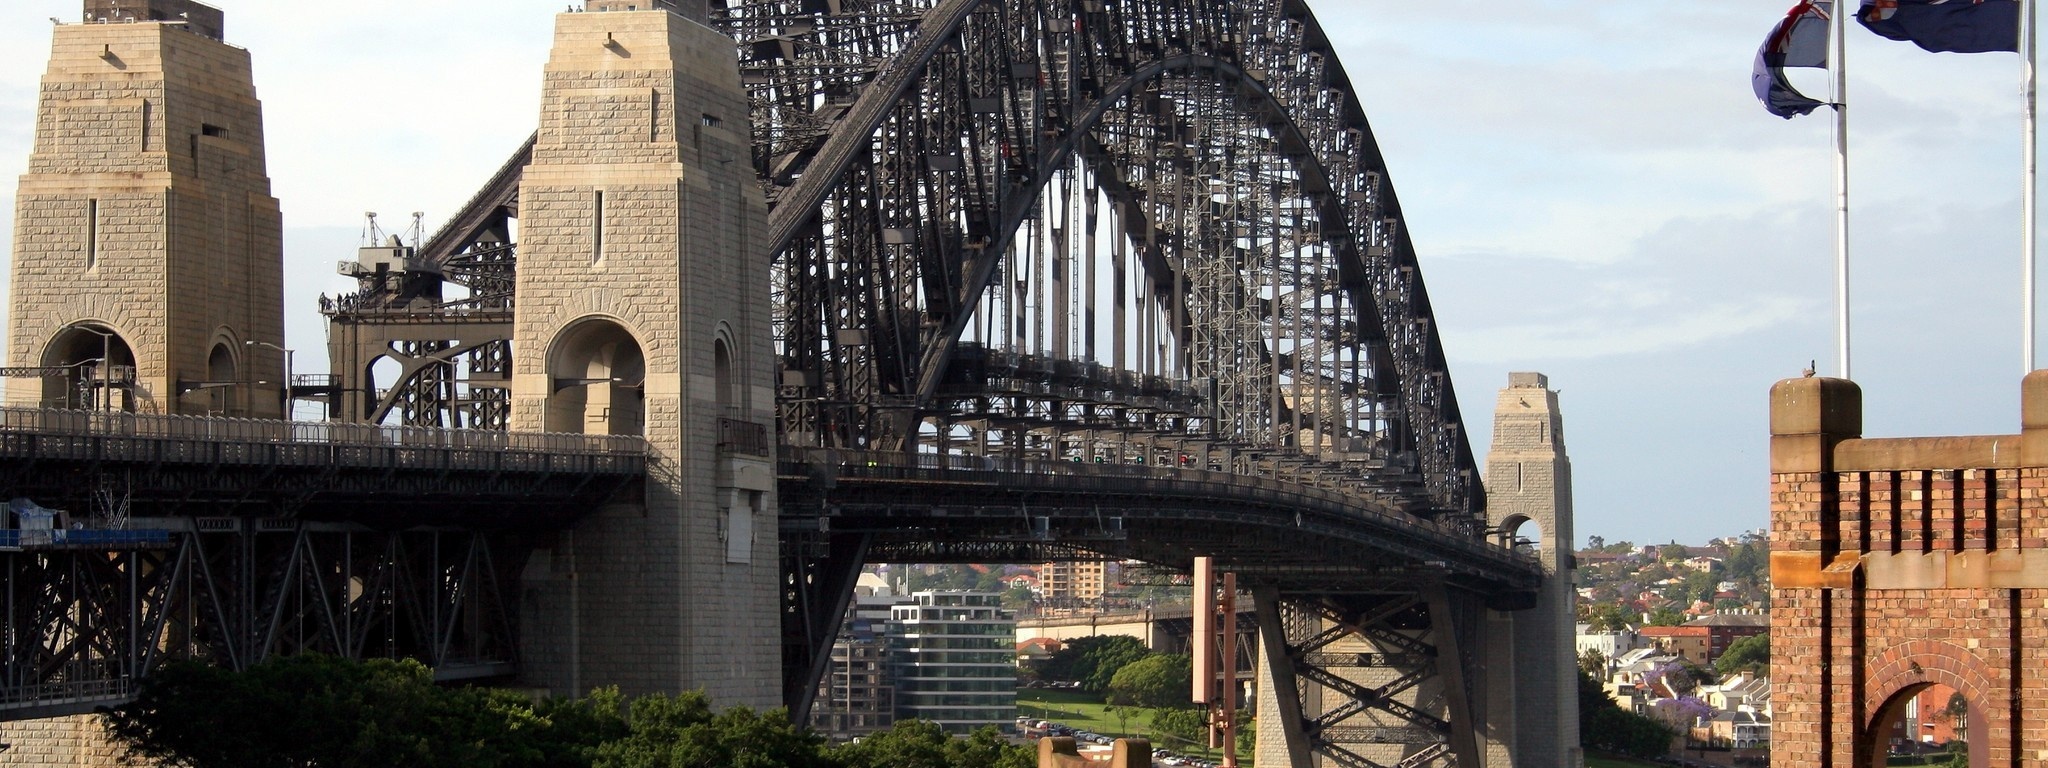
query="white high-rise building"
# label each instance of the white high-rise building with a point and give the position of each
(954, 660)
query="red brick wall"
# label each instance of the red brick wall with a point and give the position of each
(1898, 564)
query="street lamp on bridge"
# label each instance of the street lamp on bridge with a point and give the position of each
(285, 401)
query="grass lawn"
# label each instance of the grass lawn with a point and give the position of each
(1084, 712)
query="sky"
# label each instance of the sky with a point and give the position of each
(1592, 188)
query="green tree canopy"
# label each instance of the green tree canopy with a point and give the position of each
(1608, 617)
(1751, 653)
(314, 711)
(1593, 662)
(1094, 660)
(920, 744)
(1159, 680)
(1181, 727)
(1666, 617)
(682, 732)
(1605, 726)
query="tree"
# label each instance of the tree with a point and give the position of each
(1665, 617)
(1160, 680)
(1018, 598)
(1747, 564)
(921, 744)
(1605, 726)
(682, 732)
(1183, 726)
(314, 711)
(1608, 617)
(1596, 543)
(1593, 662)
(1122, 713)
(1749, 654)
(1093, 661)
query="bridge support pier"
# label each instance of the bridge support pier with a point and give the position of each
(1529, 491)
(643, 310)
(1378, 678)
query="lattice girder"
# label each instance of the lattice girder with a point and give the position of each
(981, 167)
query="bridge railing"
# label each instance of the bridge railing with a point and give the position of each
(119, 436)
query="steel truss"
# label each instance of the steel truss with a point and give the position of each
(84, 624)
(1383, 679)
(1129, 230)
(1155, 234)
(1181, 197)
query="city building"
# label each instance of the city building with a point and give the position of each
(1691, 643)
(1083, 580)
(1610, 645)
(858, 694)
(1723, 629)
(954, 659)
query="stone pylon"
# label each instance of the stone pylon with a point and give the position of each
(643, 309)
(1532, 685)
(148, 260)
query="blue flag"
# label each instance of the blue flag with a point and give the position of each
(1946, 26)
(1800, 40)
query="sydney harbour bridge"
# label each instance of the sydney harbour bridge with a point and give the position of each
(1046, 279)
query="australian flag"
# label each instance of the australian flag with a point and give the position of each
(1946, 26)
(1801, 40)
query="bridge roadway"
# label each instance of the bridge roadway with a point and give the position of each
(959, 508)
(260, 517)
(378, 476)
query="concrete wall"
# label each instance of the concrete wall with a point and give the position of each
(1900, 563)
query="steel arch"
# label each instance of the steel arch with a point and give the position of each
(841, 179)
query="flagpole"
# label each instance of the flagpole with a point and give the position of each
(2027, 214)
(1841, 185)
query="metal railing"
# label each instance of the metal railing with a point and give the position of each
(44, 694)
(118, 436)
(745, 438)
(81, 538)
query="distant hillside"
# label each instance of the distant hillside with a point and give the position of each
(1666, 584)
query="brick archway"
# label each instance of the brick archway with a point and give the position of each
(1901, 672)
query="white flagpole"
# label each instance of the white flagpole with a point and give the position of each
(1841, 14)
(2027, 187)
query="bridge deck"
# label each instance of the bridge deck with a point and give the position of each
(928, 508)
(170, 465)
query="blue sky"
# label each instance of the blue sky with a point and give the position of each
(1593, 190)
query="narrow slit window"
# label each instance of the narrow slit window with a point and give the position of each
(597, 226)
(92, 233)
(215, 131)
(145, 125)
(712, 121)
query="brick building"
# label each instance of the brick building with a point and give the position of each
(1694, 644)
(1901, 564)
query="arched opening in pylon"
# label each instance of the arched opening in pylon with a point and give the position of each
(89, 366)
(1927, 719)
(217, 395)
(1522, 533)
(598, 373)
